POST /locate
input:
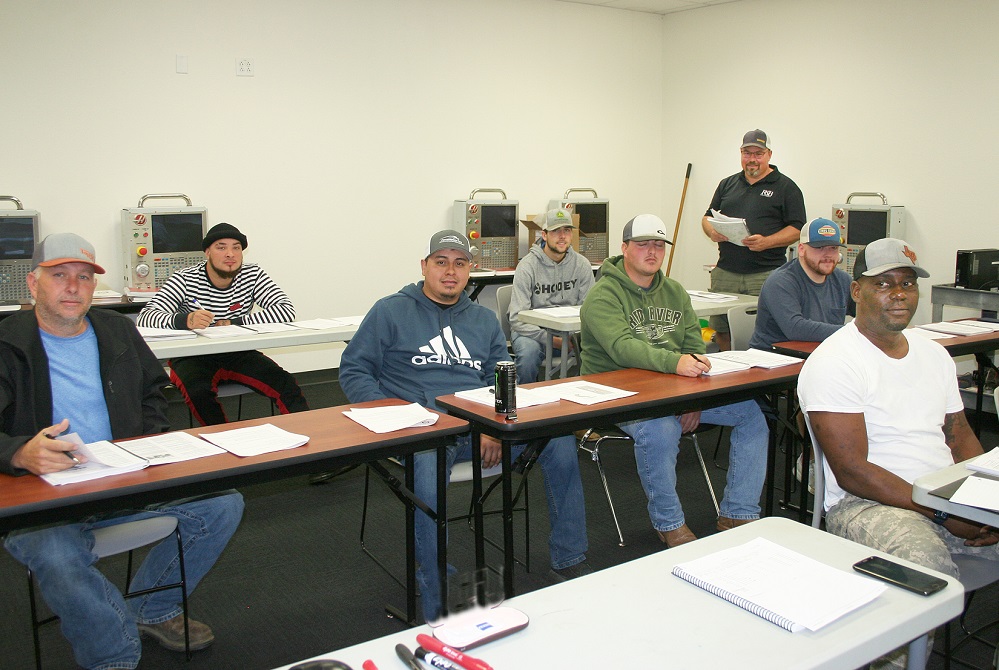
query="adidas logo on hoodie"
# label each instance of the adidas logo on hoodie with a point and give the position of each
(446, 349)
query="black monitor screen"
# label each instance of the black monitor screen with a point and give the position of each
(177, 232)
(17, 237)
(865, 226)
(499, 221)
(592, 217)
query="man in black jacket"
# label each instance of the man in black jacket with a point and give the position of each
(65, 368)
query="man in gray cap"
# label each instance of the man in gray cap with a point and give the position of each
(429, 340)
(806, 298)
(551, 275)
(67, 368)
(774, 210)
(883, 406)
(222, 291)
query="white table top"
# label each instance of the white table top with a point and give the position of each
(921, 494)
(638, 615)
(200, 346)
(572, 324)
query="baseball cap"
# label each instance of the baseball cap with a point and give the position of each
(886, 254)
(448, 239)
(645, 227)
(554, 219)
(62, 248)
(756, 138)
(223, 231)
(821, 233)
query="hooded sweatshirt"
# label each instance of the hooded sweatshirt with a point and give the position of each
(409, 347)
(541, 282)
(626, 326)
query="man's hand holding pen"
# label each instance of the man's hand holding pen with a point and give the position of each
(692, 365)
(44, 453)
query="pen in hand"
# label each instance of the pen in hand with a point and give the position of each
(68, 453)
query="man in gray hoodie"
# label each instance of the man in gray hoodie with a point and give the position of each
(551, 275)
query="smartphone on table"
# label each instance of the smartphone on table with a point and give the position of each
(902, 576)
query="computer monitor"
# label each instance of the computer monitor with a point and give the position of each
(862, 224)
(18, 237)
(158, 241)
(491, 227)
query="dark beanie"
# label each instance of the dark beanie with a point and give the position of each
(223, 231)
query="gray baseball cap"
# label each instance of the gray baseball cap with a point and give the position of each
(448, 239)
(645, 227)
(756, 138)
(554, 219)
(60, 248)
(886, 254)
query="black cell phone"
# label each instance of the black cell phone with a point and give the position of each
(894, 573)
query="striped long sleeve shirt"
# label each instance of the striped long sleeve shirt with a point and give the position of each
(252, 286)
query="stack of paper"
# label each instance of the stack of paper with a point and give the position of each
(170, 448)
(566, 312)
(394, 417)
(958, 327)
(215, 332)
(588, 393)
(256, 440)
(103, 459)
(987, 463)
(755, 358)
(733, 228)
(525, 397)
(160, 334)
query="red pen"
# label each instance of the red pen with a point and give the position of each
(369, 665)
(464, 660)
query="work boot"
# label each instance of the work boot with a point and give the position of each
(170, 633)
(677, 536)
(725, 523)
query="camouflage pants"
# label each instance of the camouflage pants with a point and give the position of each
(901, 533)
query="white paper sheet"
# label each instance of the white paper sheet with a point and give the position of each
(256, 440)
(392, 418)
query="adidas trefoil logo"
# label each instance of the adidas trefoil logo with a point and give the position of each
(446, 349)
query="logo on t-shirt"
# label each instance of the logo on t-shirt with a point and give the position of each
(446, 349)
(654, 323)
(767, 193)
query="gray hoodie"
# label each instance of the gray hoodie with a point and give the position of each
(541, 282)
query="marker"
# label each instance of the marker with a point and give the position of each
(435, 660)
(369, 665)
(464, 660)
(403, 652)
(68, 453)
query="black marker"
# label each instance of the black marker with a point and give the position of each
(435, 660)
(694, 356)
(407, 657)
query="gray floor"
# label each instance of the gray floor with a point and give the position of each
(293, 582)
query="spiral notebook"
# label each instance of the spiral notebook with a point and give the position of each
(782, 586)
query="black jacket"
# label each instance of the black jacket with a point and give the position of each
(132, 378)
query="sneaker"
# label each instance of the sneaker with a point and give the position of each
(578, 570)
(170, 633)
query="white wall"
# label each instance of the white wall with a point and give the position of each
(896, 96)
(365, 120)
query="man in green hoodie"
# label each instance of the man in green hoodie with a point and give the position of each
(635, 317)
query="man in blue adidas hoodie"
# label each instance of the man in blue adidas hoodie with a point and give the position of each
(429, 340)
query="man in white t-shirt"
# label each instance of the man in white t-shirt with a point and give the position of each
(884, 407)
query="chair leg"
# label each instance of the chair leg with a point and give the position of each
(364, 520)
(35, 623)
(595, 457)
(704, 469)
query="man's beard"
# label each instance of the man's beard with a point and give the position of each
(226, 274)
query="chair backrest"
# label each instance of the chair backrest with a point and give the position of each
(741, 324)
(503, 295)
(122, 537)
(995, 394)
(820, 475)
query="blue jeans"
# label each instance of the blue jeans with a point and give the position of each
(567, 543)
(99, 623)
(529, 355)
(657, 442)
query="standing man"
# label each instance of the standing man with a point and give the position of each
(66, 368)
(885, 410)
(805, 299)
(221, 292)
(551, 275)
(635, 317)
(429, 340)
(774, 210)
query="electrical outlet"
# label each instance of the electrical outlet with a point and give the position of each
(244, 67)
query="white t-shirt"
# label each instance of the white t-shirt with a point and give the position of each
(903, 401)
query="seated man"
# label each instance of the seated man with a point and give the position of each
(806, 298)
(885, 409)
(551, 275)
(222, 291)
(429, 340)
(65, 368)
(635, 317)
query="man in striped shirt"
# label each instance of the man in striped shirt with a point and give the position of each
(220, 292)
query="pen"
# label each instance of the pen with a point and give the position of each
(699, 360)
(403, 652)
(435, 660)
(68, 453)
(464, 660)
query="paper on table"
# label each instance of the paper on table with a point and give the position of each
(955, 328)
(708, 296)
(755, 358)
(164, 333)
(350, 320)
(987, 325)
(565, 312)
(978, 492)
(317, 324)
(216, 332)
(270, 327)
(525, 397)
(588, 393)
(170, 448)
(987, 463)
(256, 440)
(721, 366)
(930, 334)
(394, 417)
(734, 228)
(103, 459)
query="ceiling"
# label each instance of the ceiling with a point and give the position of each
(653, 6)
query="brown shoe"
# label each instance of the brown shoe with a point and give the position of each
(677, 536)
(725, 523)
(170, 633)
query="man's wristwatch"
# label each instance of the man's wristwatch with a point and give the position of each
(940, 516)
